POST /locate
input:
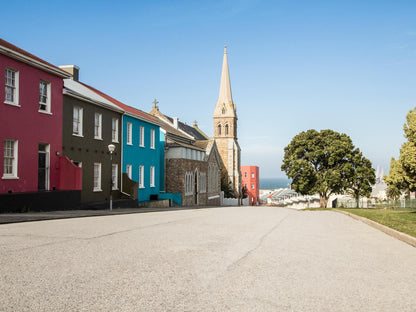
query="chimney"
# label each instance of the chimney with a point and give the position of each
(175, 122)
(71, 69)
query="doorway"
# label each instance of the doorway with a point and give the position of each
(43, 167)
(196, 187)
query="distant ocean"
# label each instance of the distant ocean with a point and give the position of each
(274, 183)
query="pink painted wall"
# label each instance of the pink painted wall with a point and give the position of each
(30, 127)
(248, 180)
(70, 175)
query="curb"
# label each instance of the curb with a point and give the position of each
(396, 234)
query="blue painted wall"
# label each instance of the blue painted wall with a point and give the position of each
(136, 155)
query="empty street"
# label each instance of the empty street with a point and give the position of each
(214, 259)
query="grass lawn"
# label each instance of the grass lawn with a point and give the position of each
(401, 220)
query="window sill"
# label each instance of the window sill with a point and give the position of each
(10, 178)
(78, 135)
(98, 138)
(152, 186)
(97, 190)
(115, 141)
(44, 112)
(129, 143)
(141, 146)
(11, 104)
(141, 187)
(115, 189)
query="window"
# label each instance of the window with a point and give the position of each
(128, 169)
(11, 87)
(114, 176)
(245, 174)
(129, 134)
(252, 186)
(189, 178)
(202, 182)
(152, 176)
(114, 130)
(141, 177)
(152, 138)
(44, 97)
(10, 159)
(141, 136)
(219, 129)
(97, 177)
(98, 126)
(226, 129)
(77, 121)
(252, 174)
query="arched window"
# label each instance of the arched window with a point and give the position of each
(226, 129)
(219, 129)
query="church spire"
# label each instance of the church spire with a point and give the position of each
(225, 104)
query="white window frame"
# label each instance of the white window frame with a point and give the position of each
(152, 138)
(189, 179)
(252, 186)
(114, 176)
(141, 136)
(114, 130)
(141, 176)
(252, 175)
(129, 133)
(45, 98)
(129, 171)
(13, 157)
(152, 176)
(98, 126)
(14, 86)
(97, 178)
(78, 122)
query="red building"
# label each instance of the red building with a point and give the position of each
(250, 180)
(30, 124)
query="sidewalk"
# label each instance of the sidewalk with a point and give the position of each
(52, 215)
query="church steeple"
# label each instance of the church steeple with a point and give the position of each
(225, 105)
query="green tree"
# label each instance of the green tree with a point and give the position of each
(325, 163)
(361, 176)
(227, 187)
(244, 192)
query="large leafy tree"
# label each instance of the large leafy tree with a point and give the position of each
(326, 163)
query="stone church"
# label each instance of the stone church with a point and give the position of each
(225, 130)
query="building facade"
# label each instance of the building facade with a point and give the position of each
(31, 115)
(251, 182)
(90, 124)
(225, 131)
(192, 163)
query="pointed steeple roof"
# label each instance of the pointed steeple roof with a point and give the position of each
(225, 105)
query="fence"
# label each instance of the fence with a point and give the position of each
(372, 203)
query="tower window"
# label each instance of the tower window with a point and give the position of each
(219, 129)
(226, 129)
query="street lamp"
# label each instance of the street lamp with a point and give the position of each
(111, 148)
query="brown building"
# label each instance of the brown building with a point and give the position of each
(192, 162)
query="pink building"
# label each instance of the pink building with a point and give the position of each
(250, 180)
(30, 122)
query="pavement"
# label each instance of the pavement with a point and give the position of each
(66, 214)
(224, 259)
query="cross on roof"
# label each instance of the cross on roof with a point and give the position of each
(155, 102)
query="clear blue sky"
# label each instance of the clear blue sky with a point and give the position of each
(294, 65)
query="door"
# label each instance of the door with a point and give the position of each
(196, 188)
(43, 167)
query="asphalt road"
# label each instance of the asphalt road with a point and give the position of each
(216, 259)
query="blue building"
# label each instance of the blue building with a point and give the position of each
(142, 152)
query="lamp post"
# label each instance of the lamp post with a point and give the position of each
(111, 148)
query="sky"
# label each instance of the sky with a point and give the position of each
(294, 65)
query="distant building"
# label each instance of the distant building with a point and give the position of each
(250, 181)
(225, 130)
